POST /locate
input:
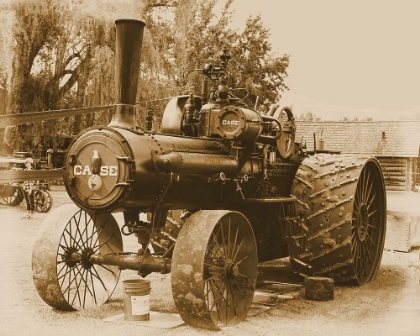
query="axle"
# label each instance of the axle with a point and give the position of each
(142, 262)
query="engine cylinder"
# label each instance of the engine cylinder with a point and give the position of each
(235, 123)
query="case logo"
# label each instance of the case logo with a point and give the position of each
(230, 122)
(95, 167)
(103, 171)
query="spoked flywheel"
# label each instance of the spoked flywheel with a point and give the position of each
(214, 269)
(342, 205)
(62, 272)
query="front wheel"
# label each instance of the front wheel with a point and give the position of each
(62, 273)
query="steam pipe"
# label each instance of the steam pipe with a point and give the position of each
(129, 39)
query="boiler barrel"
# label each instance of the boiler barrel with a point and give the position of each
(116, 169)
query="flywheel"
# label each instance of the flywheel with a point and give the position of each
(342, 210)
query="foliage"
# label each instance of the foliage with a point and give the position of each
(257, 69)
(356, 119)
(52, 67)
(309, 116)
(63, 57)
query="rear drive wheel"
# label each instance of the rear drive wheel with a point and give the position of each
(214, 269)
(342, 205)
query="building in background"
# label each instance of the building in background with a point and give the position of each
(396, 144)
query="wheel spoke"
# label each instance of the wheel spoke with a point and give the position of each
(372, 212)
(365, 186)
(223, 240)
(217, 244)
(212, 265)
(240, 261)
(236, 238)
(97, 248)
(233, 298)
(237, 287)
(215, 256)
(97, 276)
(96, 233)
(216, 300)
(238, 249)
(228, 249)
(371, 200)
(370, 240)
(109, 270)
(68, 270)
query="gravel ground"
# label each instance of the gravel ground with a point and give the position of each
(387, 306)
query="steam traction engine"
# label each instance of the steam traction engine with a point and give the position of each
(248, 191)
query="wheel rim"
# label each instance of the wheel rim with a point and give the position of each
(218, 288)
(62, 272)
(368, 224)
(48, 201)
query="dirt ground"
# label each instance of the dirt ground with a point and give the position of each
(389, 305)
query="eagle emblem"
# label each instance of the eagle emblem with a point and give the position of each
(95, 166)
(95, 181)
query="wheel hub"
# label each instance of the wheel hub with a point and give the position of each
(85, 258)
(362, 222)
(231, 270)
(71, 257)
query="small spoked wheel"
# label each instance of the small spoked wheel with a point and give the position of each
(214, 269)
(42, 200)
(62, 272)
(14, 196)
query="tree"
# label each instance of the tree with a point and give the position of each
(309, 116)
(199, 35)
(258, 70)
(51, 65)
(64, 57)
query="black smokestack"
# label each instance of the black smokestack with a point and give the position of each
(129, 39)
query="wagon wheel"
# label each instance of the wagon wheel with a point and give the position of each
(214, 269)
(342, 204)
(42, 200)
(15, 198)
(62, 273)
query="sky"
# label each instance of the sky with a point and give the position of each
(358, 53)
(363, 54)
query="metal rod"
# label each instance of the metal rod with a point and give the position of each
(143, 264)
